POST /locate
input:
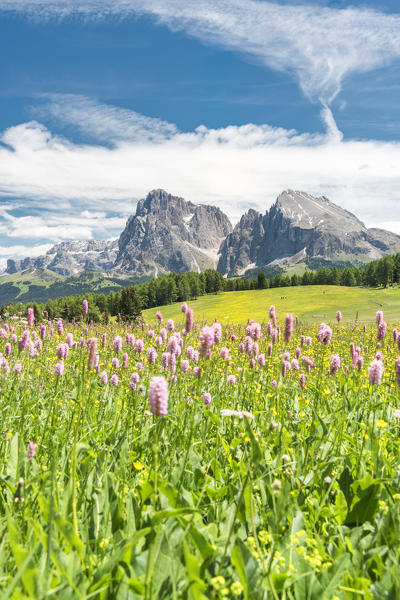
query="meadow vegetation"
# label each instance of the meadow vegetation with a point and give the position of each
(188, 460)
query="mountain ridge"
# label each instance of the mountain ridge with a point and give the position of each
(168, 233)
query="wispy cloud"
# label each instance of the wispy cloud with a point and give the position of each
(321, 46)
(104, 122)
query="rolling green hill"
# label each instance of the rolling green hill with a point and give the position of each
(310, 303)
(40, 285)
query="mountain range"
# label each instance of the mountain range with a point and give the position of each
(168, 233)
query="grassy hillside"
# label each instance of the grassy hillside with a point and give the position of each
(309, 303)
(40, 285)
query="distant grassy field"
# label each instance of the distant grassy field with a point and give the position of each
(309, 303)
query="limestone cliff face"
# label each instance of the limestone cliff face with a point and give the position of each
(167, 233)
(69, 258)
(241, 248)
(300, 226)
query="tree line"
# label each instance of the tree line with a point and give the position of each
(181, 287)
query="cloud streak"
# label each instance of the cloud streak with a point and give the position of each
(321, 46)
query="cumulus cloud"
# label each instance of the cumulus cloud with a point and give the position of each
(321, 46)
(75, 187)
(20, 251)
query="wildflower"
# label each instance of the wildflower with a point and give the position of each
(185, 366)
(139, 366)
(338, 316)
(302, 380)
(60, 326)
(261, 360)
(207, 398)
(92, 345)
(85, 306)
(288, 328)
(217, 332)
(159, 316)
(7, 349)
(327, 480)
(379, 317)
(117, 343)
(254, 330)
(139, 346)
(172, 363)
(31, 450)
(285, 367)
(207, 339)
(308, 362)
(274, 383)
(152, 355)
(197, 372)
(30, 316)
(189, 320)
(276, 486)
(115, 363)
(227, 412)
(334, 364)
(158, 396)
(59, 369)
(295, 364)
(325, 334)
(17, 368)
(170, 325)
(224, 353)
(114, 379)
(125, 359)
(104, 378)
(375, 372)
(397, 370)
(382, 327)
(231, 379)
(23, 341)
(184, 308)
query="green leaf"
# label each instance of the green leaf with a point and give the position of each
(345, 481)
(169, 513)
(12, 464)
(365, 503)
(247, 569)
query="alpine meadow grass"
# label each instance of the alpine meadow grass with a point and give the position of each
(185, 459)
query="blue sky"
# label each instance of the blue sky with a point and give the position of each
(224, 102)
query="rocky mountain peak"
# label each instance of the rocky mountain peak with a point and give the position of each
(168, 233)
(299, 227)
(310, 212)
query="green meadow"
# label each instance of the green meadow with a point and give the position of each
(310, 304)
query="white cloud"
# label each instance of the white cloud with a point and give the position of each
(320, 46)
(20, 251)
(231, 167)
(104, 122)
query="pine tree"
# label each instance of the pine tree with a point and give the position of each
(129, 306)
